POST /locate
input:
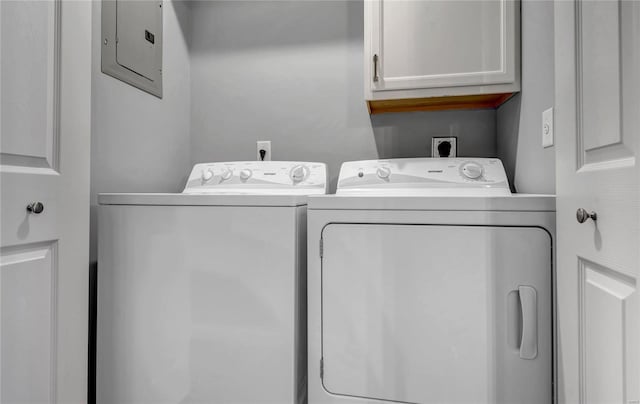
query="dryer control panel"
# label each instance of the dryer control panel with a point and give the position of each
(258, 177)
(424, 176)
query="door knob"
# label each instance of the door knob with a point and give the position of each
(582, 215)
(35, 207)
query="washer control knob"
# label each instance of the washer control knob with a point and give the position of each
(472, 170)
(245, 174)
(383, 172)
(207, 174)
(298, 173)
(226, 173)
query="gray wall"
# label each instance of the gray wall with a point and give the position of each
(140, 143)
(291, 72)
(530, 167)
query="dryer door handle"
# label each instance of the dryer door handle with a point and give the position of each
(529, 312)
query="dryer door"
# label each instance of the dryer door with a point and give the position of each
(426, 314)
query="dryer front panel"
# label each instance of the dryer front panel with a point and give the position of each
(428, 313)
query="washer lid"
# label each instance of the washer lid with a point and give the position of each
(424, 177)
(258, 178)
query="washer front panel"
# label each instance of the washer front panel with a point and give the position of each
(201, 304)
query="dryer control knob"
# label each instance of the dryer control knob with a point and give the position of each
(298, 173)
(226, 173)
(383, 172)
(207, 174)
(472, 170)
(245, 174)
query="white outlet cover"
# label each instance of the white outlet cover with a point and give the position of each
(547, 128)
(263, 145)
(435, 141)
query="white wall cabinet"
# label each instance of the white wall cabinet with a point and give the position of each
(439, 54)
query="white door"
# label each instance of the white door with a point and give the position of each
(409, 317)
(45, 82)
(597, 61)
(435, 43)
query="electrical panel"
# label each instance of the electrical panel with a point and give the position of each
(132, 43)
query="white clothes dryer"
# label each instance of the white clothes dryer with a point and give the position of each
(429, 282)
(202, 295)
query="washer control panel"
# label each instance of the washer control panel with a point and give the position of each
(424, 176)
(258, 177)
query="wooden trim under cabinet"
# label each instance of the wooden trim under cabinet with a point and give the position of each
(480, 101)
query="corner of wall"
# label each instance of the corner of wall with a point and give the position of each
(530, 167)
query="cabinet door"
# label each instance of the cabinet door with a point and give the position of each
(440, 44)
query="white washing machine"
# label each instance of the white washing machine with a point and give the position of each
(428, 282)
(201, 295)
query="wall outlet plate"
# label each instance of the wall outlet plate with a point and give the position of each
(266, 146)
(547, 128)
(439, 146)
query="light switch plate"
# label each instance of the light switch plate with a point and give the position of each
(547, 128)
